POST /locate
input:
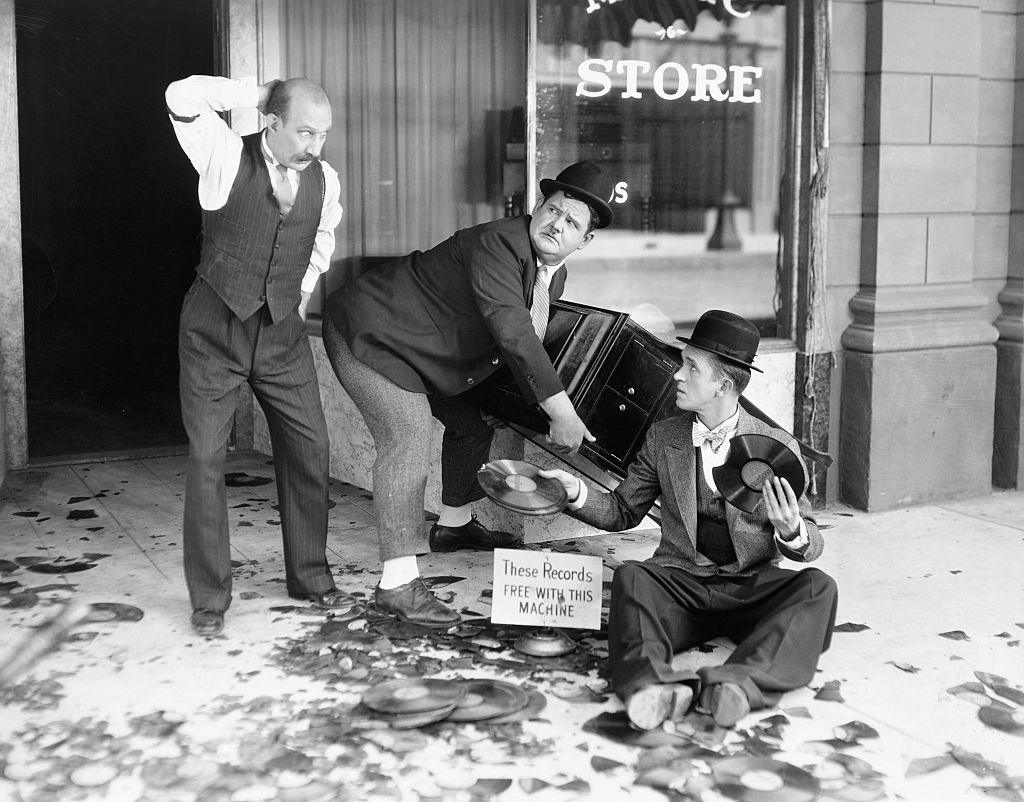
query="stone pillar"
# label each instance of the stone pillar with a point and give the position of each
(919, 367)
(1008, 455)
(13, 422)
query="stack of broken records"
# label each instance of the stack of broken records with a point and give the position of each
(416, 702)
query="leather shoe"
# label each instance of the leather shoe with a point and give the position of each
(648, 707)
(335, 597)
(726, 702)
(473, 535)
(207, 622)
(414, 603)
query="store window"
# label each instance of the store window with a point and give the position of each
(423, 92)
(683, 102)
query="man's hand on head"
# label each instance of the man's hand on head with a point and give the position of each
(265, 91)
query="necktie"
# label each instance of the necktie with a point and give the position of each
(705, 435)
(541, 302)
(283, 190)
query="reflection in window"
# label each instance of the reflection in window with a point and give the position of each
(689, 115)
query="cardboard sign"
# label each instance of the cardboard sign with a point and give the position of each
(545, 589)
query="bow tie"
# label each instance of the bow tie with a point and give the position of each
(714, 439)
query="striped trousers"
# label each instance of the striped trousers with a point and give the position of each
(217, 354)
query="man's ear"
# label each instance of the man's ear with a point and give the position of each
(586, 241)
(273, 121)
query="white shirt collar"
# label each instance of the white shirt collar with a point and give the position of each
(268, 154)
(728, 426)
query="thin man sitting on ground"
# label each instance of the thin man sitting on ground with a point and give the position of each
(715, 571)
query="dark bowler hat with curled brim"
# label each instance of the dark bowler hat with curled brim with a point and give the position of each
(588, 182)
(726, 335)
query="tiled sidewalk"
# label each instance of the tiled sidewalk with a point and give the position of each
(268, 710)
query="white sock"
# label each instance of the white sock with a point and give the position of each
(455, 516)
(399, 571)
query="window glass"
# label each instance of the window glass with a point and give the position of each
(687, 114)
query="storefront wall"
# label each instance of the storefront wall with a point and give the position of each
(920, 247)
(13, 439)
(924, 245)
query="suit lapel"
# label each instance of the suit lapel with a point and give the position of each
(529, 277)
(682, 474)
(557, 284)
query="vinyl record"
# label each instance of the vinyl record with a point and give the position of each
(487, 698)
(759, 779)
(414, 695)
(112, 611)
(408, 721)
(752, 459)
(517, 486)
(1000, 718)
(536, 703)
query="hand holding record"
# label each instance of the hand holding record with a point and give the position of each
(782, 505)
(518, 486)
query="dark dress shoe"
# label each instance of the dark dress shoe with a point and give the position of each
(335, 597)
(473, 535)
(414, 603)
(207, 622)
(726, 702)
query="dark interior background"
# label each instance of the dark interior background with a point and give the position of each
(110, 217)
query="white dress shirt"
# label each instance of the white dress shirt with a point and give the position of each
(216, 151)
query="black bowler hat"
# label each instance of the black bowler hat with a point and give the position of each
(727, 336)
(587, 182)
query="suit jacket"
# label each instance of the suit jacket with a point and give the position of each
(441, 321)
(666, 466)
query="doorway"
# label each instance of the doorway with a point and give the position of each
(110, 219)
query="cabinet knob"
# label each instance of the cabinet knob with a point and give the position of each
(631, 391)
(622, 407)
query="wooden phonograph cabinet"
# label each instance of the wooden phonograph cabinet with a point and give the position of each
(617, 375)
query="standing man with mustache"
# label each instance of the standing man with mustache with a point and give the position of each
(270, 206)
(418, 337)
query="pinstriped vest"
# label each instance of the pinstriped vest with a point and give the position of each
(251, 254)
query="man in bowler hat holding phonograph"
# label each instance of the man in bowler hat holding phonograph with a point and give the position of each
(419, 336)
(715, 571)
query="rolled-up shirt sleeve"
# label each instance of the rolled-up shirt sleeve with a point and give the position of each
(194, 104)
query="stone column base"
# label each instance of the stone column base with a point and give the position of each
(1007, 454)
(916, 426)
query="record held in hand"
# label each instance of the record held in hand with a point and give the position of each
(414, 695)
(753, 459)
(487, 698)
(759, 779)
(518, 486)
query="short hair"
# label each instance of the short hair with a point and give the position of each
(594, 219)
(285, 93)
(737, 374)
